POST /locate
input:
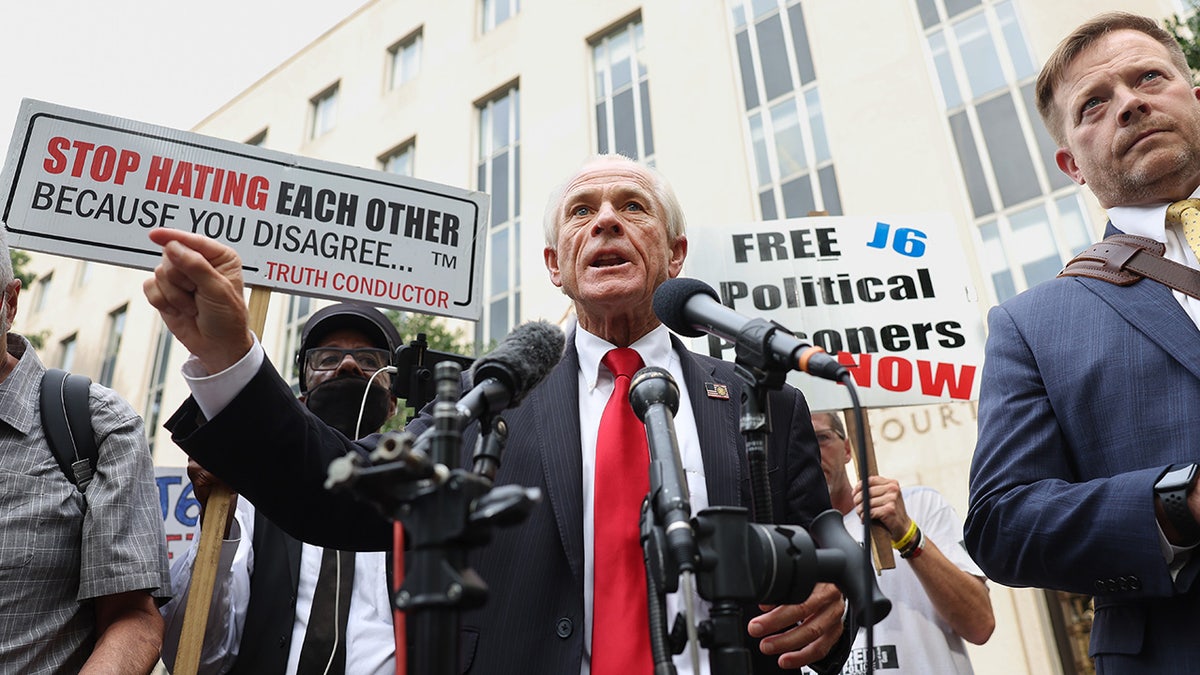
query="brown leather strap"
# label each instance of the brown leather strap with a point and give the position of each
(1122, 259)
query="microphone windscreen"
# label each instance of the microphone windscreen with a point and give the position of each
(652, 385)
(523, 358)
(670, 299)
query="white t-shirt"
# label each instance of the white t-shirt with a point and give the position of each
(913, 639)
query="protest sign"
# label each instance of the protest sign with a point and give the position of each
(90, 186)
(180, 510)
(890, 297)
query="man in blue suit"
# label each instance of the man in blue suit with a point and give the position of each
(1084, 474)
(614, 233)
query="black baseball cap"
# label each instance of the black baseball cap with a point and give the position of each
(351, 316)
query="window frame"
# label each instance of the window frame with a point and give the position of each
(323, 119)
(1053, 188)
(486, 329)
(397, 76)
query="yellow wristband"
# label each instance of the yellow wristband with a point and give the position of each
(908, 536)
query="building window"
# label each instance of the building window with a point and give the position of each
(42, 292)
(499, 175)
(158, 383)
(399, 160)
(299, 308)
(83, 273)
(258, 140)
(788, 147)
(622, 94)
(112, 345)
(323, 111)
(404, 60)
(1028, 213)
(496, 12)
(66, 352)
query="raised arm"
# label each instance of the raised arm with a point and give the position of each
(960, 598)
(197, 289)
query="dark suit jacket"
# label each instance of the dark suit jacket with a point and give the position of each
(267, 447)
(271, 613)
(1089, 394)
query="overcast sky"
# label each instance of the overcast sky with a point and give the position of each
(165, 62)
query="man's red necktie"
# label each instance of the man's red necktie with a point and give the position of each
(620, 619)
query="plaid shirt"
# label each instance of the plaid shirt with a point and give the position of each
(59, 551)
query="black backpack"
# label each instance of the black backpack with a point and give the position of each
(67, 424)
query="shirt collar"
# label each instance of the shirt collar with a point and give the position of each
(654, 348)
(1143, 221)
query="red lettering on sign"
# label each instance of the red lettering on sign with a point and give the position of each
(895, 373)
(57, 161)
(106, 164)
(188, 179)
(936, 378)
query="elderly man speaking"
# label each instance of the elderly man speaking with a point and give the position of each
(566, 585)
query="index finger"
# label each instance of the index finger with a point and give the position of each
(199, 243)
(197, 257)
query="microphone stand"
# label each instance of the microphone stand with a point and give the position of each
(662, 577)
(736, 561)
(666, 514)
(756, 367)
(413, 382)
(445, 509)
(755, 425)
(726, 535)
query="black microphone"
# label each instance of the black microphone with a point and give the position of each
(654, 397)
(692, 308)
(503, 377)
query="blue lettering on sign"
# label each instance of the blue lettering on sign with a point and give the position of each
(183, 507)
(164, 485)
(187, 508)
(906, 241)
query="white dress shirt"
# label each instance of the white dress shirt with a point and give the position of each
(595, 387)
(1151, 222)
(370, 640)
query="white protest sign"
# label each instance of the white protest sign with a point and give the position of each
(180, 510)
(90, 186)
(891, 297)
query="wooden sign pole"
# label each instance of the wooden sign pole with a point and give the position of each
(882, 549)
(217, 512)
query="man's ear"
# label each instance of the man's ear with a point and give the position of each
(550, 255)
(678, 253)
(10, 302)
(1066, 163)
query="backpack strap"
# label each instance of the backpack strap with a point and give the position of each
(67, 424)
(1122, 259)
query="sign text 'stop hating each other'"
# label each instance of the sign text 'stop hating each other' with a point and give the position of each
(88, 186)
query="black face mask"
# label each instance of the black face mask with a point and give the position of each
(337, 401)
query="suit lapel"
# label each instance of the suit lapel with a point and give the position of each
(716, 428)
(556, 409)
(1152, 309)
(295, 549)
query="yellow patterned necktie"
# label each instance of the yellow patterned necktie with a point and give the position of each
(1186, 214)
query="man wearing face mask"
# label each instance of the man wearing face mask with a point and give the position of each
(270, 587)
